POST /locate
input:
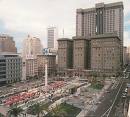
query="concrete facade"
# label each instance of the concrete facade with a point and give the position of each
(125, 57)
(100, 53)
(81, 53)
(51, 65)
(128, 54)
(65, 54)
(10, 68)
(31, 47)
(31, 68)
(52, 36)
(105, 54)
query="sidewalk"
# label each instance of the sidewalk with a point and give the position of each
(92, 105)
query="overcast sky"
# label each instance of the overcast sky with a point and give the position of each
(19, 18)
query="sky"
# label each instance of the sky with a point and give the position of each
(20, 18)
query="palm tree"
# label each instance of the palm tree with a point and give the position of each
(15, 111)
(94, 79)
(56, 112)
(104, 77)
(38, 109)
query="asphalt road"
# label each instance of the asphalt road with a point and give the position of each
(106, 102)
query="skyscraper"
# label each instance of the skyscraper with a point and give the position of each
(31, 47)
(103, 18)
(52, 36)
(7, 44)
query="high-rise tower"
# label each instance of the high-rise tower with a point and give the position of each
(103, 18)
(52, 35)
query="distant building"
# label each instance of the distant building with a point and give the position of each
(7, 44)
(51, 65)
(52, 36)
(103, 18)
(31, 47)
(31, 68)
(105, 54)
(128, 54)
(125, 55)
(65, 55)
(10, 68)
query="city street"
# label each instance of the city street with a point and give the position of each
(106, 102)
(109, 101)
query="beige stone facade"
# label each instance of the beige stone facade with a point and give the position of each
(100, 53)
(7, 44)
(81, 53)
(31, 47)
(105, 54)
(125, 56)
(65, 54)
(51, 65)
(103, 18)
(31, 67)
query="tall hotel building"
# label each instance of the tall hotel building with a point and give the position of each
(52, 36)
(65, 55)
(103, 18)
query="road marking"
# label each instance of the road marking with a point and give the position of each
(109, 109)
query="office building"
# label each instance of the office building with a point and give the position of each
(105, 54)
(31, 68)
(10, 68)
(31, 47)
(7, 44)
(50, 60)
(52, 36)
(65, 55)
(103, 18)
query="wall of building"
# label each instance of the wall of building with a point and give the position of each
(50, 60)
(10, 68)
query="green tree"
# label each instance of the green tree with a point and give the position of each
(37, 109)
(56, 112)
(15, 111)
(94, 79)
(103, 77)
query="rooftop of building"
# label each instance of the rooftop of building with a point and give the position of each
(48, 55)
(80, 38)
(101, 5)
(106, 35)
(64, 39)
(8, 55)
(5, 36)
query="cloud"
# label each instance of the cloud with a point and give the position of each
(22, 17)
(126, 38)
